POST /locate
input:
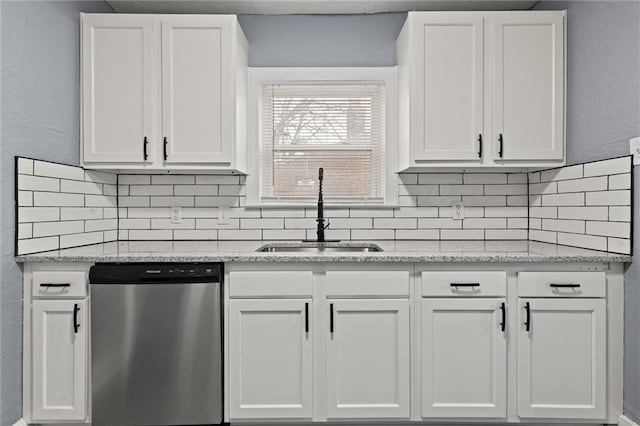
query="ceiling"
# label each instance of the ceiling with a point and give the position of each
(310, 6)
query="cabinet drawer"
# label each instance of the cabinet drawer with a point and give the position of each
(562, 284)
(59, 284)
(464, 283)
(270, 283)
(367, 283)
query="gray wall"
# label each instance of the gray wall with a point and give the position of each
(40, 113)
(322, 40)
(40, 118)
(603, 112)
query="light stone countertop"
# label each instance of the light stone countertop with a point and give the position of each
(394, 251)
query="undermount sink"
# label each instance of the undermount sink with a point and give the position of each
(314, 247)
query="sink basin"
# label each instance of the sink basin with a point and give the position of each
(314, 247)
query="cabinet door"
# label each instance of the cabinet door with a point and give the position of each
(562, 358)
(117, 86)
(464, 358)
(270, 371)
(59, 357)
(197, 95)
(449, 81)
(528, 86)
(368, 359)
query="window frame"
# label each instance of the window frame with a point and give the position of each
(261, 76)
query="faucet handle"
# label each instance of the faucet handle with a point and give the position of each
(327, 225)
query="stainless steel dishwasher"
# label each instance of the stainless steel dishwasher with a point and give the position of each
(156, 344)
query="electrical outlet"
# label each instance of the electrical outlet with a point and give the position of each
(176, 215)
(457, 210)
(223, 215)
(634, 147)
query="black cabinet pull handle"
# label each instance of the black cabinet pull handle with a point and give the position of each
(144, 148)
(55, 285)
(465, 284)
(480, 145)
(166, 142)
(306, 317)
(76, 325)
(503, 309)
(331, 318)
(500, 140)
(527, 322)
(564, 285)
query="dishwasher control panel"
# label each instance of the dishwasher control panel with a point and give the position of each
(155, 273)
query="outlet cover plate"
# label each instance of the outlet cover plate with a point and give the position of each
(634, 148)
(457, 210)
(176, 215)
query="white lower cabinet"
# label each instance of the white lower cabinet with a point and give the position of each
(562, 350)
(59, 349)
(368, 359)
(464, 358)
(270, 349)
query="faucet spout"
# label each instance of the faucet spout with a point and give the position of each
(320, 218)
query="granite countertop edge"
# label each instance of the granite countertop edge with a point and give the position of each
(123, 252)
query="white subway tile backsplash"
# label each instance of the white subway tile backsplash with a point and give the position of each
(395, 223)
(38, 183)
(44, 168)
(192, 234)
(59, 199)
(25, 198)
(607, 167)
(148, 190)
(465, 189)
(540, 206)
(35, 245)
(86, 238)
(583, 185)
(609, 198)
(173, 179)
(485, 178)
(619, 245)
(417, 234)
(564, 173)
(609, 229)
(581, 240)
(562, 225)
(439, 178)
(462, 234)
(25, 166)
(78, 187)
(590, 213)
(47, 229)
(622, 181)
(38, 214)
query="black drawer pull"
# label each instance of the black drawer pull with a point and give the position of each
(76, 324)
(166, 154)
(501, 141)
(480, 145)
(331, 318)
(55, 285)
(306, 317)
(503, 309)
(465, 284)
(145, 144)
(564, 285)
(527, 322)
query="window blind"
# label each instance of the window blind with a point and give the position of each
(337, 127)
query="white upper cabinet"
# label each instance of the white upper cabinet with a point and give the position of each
(176, 97)
(449, 80)
(528, 86)
(481, 89)
(117, 103)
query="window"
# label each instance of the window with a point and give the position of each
(336, 119)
